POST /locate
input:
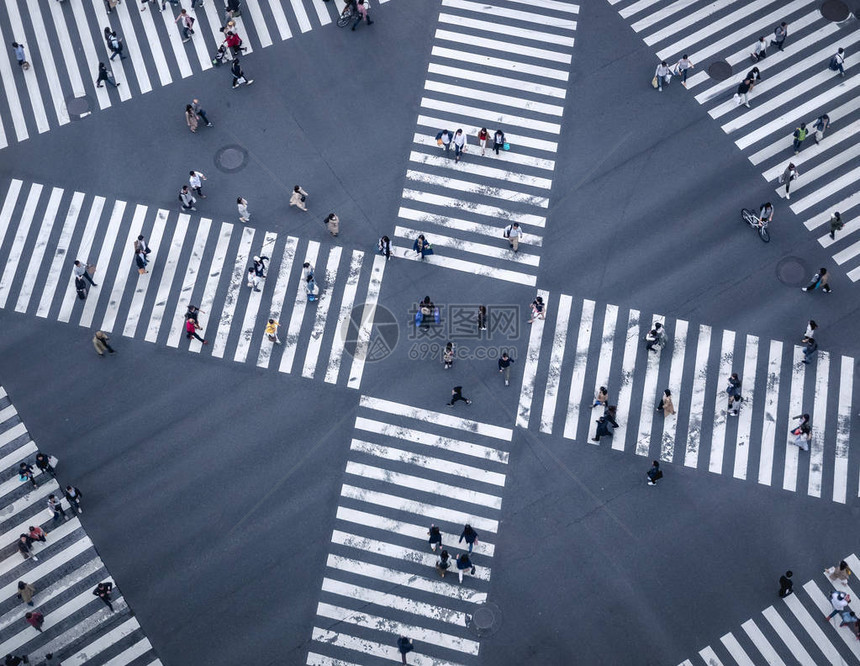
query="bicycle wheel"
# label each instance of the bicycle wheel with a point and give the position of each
(747, 215)
(763, 233)
(344, 20)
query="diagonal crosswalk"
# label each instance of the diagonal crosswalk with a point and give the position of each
(409, 468)
(193, 260)
(64, 44)
(496, 66)
(65, 569)
(796, 87)
(791, 631)
(695, 365)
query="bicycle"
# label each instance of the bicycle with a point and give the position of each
(752, 219)
(345, 17)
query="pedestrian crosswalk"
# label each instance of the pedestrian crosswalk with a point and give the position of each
(594, 346)
(409, 468)
(494, 66)
(64, 44)
(791, 631)
(193, 260)
(796, 87)
(64, 570)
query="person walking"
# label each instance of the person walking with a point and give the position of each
(837, 62)
(193, 312)
(26, 592)
(26, 473)
(820, 126)
(253, 279)
(483, 137)
(802, 434)
(272, 331)
(36, 533)
(734, 392)
(56, 508)
(363, 13)
(464, 564)
(142, 247)
(836, 224)
(422, 246)
(25, 547)
(242, 206)
(754, 75)
(103, 592)
(656, 337)
(786, 584)
(780, 32)
(505, 367)
(482, 318)
(195, 180)
(537, 308)
(233, 42)
(187, 199)
(43, 462)
(100, 342)
(114, 44)
(821, 280)
(800, 135)
(759, 50)
(83, 271)
(470, 535)
(448, 356)
(20, 56)
(141, 261)
(186, 24)
(459, 142)
(810, 347)
(195, 106)
(384, 247)
(74, 496)
(811, 327)
(498, 140)
(605, 424)
(435, 539)
(602, 397)
(404, 644)
(332, 223)
(683, 67)
(35, 620)
(662, 74)
(443, 140)
(105, 75)
(443, 563)
(298, 198)
(666, 405)
(457, 395)
(789, 174)
(743, 93)
(654, 474)
(239, 75)
(840, 573)
(190, 118)
(839, 602)
(513, 233)
(191, 328)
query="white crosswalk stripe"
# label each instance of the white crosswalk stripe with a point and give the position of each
(64, 44)
(796, 87)
(64, 570)
(697, 362)
(485, 75)
(193, 261)
(792, 631)
(409, 468)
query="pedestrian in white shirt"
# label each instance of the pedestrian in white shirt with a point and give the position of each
(662, 73)
(759, 50)
(195, 180)
(459, 141)
(513, 233)
(242, 205)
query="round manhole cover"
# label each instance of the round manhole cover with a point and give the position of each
(835, 10)
(485, 620)
(792, 271)
(78, 107)
(231, 158)
(719, 70)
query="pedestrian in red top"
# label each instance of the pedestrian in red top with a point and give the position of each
(483, 135)
(37, 534)
(234, 43)
(191, 328)
(35, 620)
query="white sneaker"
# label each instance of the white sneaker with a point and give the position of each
(507, 383)
(249, 82)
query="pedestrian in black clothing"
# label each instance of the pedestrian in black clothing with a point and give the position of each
(238, 74)
(74, 496)
(604, 423)
(785, 584)
(744, 88)
(464, 564)
(384, 246)
(362, 13)
(260, 266)
(103, 591)
(25, 547)
(734, 392)
(114, 44)
(505, 367)
(196, 108)
(192, 312)
(482, 317)
(800, 135)
(836, 224)
(810, 347)
(25, 473)
(435, 539)
(780, 32)
(457, 394)
(654, 474)
(821, 280)
(104, 75)
(443, 563)
(43, 462)
(57, 508)
(82, 271)
(498, 140)
(404, 644)
(470, 535)
(656, 337)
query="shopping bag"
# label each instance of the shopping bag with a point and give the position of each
(654, 82)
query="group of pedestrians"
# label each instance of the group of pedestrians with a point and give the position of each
(445, 140)
(463, 561)
(839, 599)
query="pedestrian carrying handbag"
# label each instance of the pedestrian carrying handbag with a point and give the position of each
(304, 198)
(506, 146)
(654, 83)
(141, 270)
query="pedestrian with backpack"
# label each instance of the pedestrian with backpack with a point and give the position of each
(186, 23)
(26, 473)
(820, 126)
(114, 44)
(839, 602)
(802, 433)
(513, 233)
(785, 178)
(74, 496)
(800, 135)
(837, 62)
(821, 280)
(654, 474)
(298, 198)
(443, 140)
(836, 224)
